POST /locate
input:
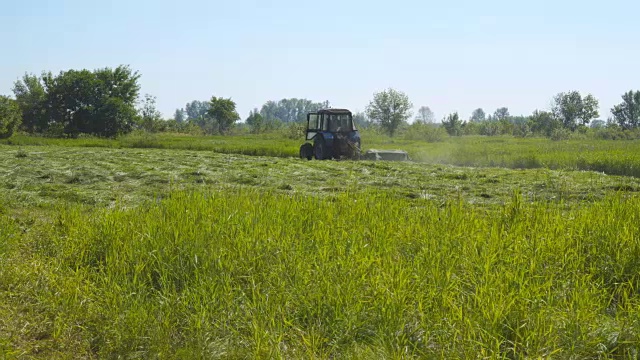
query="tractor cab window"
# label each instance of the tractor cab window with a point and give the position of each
(340, 123)
(313, 125)
(326, 119)
(314, 121)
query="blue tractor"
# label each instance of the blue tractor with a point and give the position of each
(333, 134)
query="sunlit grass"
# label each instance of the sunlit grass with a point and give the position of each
(244, 273)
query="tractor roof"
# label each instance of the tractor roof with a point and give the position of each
(334, 111)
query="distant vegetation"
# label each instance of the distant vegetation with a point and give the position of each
(107, 103)
(10, 117)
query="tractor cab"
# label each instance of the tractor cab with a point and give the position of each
(333, 135)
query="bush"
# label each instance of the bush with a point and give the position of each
(615, 133)
(560, 134)
(141, 139)
(490, 128)
(425, 132)
(522, 130)
(294, 131)
(10, 117)
(55, 130)
(471, 128)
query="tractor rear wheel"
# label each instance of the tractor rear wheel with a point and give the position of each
(306, 151)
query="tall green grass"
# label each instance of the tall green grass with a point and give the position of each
(264, 145)
(239, 273)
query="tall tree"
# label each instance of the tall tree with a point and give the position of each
(83, 101)
(223, 111)
(478, 115)
(150, 116)
(627, 113)
(179, 116)
(10, 116)
(453, 124)
(389, 108)
(590, 108)
(255, 121)
(197, 110)
(425, 115)
(501, 114)
(290, 110)
(31, 96)
(543, 122)
(573, 110)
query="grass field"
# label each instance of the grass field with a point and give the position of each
(115, 250)
(611, 157)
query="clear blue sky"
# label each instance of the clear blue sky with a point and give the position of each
(451, 56)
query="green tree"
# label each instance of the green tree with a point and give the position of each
(390, 109)
(80, 101)
(544, 123)
(71, 99)
(255, 121)
(150, 117)
(574, 110)
(10, 116)
(31, 97)
(223, 112)
(425, 115)
(290, 110)
(196, 110)
(114, 117)
(501, 114)
(627, 113)
(478, 115)
(115, 100)
(179, 116)
(453, 124)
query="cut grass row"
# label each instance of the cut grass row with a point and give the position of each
(610, 157)
(252, 273)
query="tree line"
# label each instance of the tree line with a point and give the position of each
(570, 112)
(107, 102)
(104, 102)
(390, 110)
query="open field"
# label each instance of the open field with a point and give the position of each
(123, 251)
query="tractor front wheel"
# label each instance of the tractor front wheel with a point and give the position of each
(306, 151)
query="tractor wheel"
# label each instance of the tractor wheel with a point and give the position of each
(306, 151)
(320, 150)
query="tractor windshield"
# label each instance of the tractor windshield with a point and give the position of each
(340, 123)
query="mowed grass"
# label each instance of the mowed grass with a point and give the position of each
(610, 157)
(163, 253)
(42, 176)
